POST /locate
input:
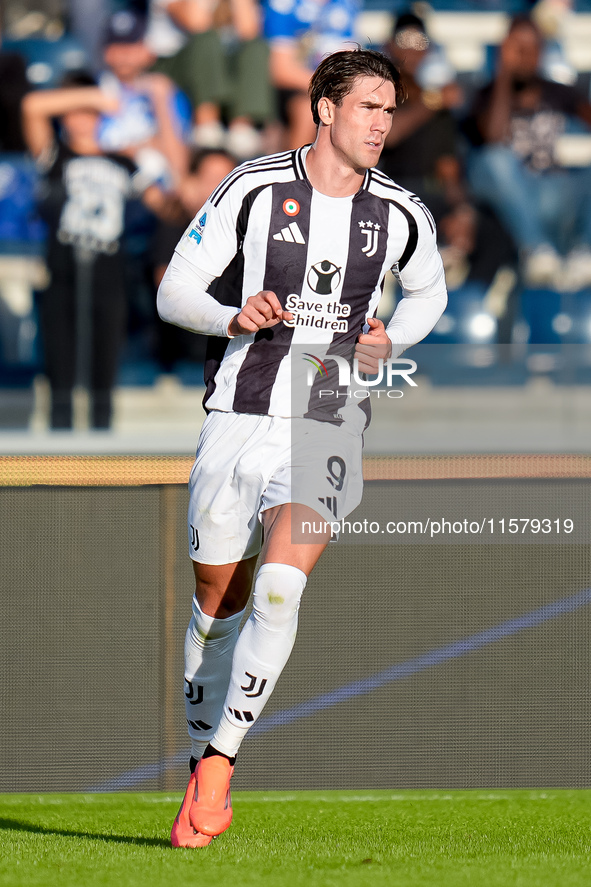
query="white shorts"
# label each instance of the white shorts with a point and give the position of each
(248, 463)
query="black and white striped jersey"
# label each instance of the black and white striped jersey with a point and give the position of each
(266, 228)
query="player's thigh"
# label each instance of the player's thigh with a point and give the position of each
(280, 545)
(326, 470)
(225, 488)
(306, 497)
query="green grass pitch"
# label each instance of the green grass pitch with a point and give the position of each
(313, 839)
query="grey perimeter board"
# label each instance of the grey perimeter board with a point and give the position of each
(96, 595)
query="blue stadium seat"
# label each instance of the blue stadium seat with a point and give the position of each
(462, 349)
(48, 60)
(558, 329)
(21, 230)
(465, 321)
(539, 310)
(22, 234)
(573, 322)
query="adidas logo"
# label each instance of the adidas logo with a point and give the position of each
(291, 234)
(199, 725)
(242, 716)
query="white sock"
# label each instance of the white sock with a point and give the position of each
(261, 653)
(209, 645)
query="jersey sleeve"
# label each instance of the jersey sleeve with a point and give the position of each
(210, 241)
(204, 251)
(422, 280)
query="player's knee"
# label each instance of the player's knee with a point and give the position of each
(278, 590)
(207, 630)
(222, 590)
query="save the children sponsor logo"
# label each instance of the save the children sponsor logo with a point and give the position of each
(318, 315)
(311, 309)
(324, 277)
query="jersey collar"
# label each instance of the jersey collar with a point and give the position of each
(299, 156)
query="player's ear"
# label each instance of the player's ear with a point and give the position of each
(325, 110)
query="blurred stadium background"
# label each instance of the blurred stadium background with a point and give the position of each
(93, 559)
(545, 331)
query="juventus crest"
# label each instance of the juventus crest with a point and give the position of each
(372, 233)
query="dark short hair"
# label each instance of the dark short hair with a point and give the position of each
(522, 20)
(335, 76)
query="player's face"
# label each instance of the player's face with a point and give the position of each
(363, 120)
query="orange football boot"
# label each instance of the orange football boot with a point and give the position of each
(211, 810)
(183, 834)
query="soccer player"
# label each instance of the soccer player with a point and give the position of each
(294, 248)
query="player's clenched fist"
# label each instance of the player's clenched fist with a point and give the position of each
(258, 313)
(372, 346)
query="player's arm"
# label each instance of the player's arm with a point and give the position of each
(424, 300)
(203, 253)
(183, 300)
(424, 293)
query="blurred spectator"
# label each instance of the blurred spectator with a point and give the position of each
(421, 151)
(516, 123)
(88, 20)
(480, 258)
(142, 125)
(21, 267)
(207, 169)
(83, 310)
(422, 155)
(229, 76)
(549, 15)
(300, 34)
